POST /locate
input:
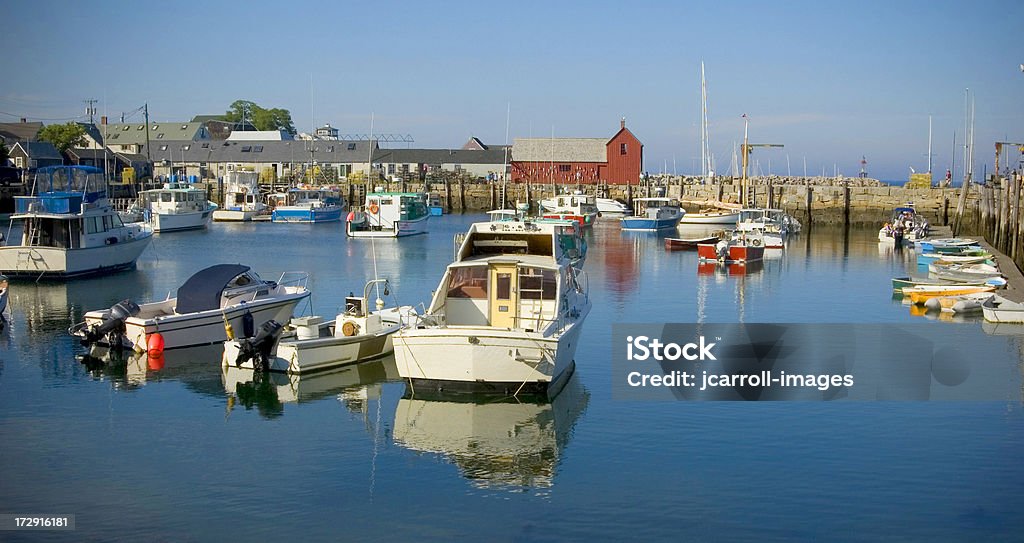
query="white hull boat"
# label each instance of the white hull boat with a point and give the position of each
(241, 198)
(999, 309)
(214, 301)
(710, 216)
(389, 215)
(178, 206)
(506, 317)
(313, 344)
(609, 206)
(70, 229)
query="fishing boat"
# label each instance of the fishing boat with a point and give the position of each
(736, 250)
(389, 215)
(435, 204)
(999, 309)
(70, 229)
(506, 316)
(214, 301)
(578, 207)
(568, 233)
(177, 206)
(242, 199)
(906, 224)
(609, 206)
(780, 222)
(920, 294)
(711, 216)
(689, 244)
(309, 205)
(652, 214)
(311, 344)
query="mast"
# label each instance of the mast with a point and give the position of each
(504, 166)
(929, 148)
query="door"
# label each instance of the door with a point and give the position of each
(504, 300)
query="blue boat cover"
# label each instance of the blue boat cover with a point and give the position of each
(202, 291)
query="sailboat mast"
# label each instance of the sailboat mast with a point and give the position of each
(929, 148)
(703, 125)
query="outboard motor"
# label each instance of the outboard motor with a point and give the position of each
(112, 326)
(3, 301)
(258, 347)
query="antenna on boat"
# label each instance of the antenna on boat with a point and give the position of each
(379, 302)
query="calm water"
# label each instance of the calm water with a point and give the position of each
(189, 453)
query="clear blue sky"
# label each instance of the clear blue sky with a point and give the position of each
(831, 80)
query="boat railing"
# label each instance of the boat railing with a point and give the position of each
(293, 279)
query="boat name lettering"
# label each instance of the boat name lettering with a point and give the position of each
(647, 348)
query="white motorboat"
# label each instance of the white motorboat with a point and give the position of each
(69, 228)
(905, 224)
(505, 318)
(510, 443)
(653, 214)
(177, 206)
(711, 216)
(609, 206)
(389, 215)
(242, 199)
(578, 207)
(312, 344)
(214, 301)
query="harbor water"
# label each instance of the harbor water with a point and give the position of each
(189, 451)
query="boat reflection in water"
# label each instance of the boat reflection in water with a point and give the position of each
(354, 385)
(196, 367)
(511, 443)
(734, 269)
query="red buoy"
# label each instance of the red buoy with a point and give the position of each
(155, 363)
(351, 216)
(155, 344)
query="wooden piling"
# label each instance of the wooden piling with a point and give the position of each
(846, 207)
(810, 198)
(1014, 224)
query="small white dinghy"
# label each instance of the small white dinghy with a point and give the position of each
(999, 309)
(963, 303)
(311, 344)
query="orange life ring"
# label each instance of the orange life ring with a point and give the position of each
(374, 209)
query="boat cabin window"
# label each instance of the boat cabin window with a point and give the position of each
(166, 197)
(239, 198)
(537, 284)
(179, 197)
(470, 282)
(240, 281)
(385, 201)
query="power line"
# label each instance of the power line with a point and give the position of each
(41, 119)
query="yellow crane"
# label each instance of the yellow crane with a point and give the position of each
(745, 150)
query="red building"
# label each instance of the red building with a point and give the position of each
(572, 161)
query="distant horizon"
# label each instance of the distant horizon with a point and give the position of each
(830, 81)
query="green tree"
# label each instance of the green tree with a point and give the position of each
(63, 136)
(261, 118)
(5, 154)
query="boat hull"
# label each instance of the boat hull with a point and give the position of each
(205, 327)
(710, 218)
(232, 215)
(302, 356)
(55, 262)
(400, 229)
(485, 359)
(305, 214)
(174, 222)
(999, 309)
(643, 223)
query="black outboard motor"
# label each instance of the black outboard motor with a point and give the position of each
(112, 326)
(258, 347)
(3, 300)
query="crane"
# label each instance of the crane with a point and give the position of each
(999, 150)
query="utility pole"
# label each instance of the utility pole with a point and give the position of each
(91, 109)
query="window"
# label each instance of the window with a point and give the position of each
(160, 136)
(19, 161)
(537, 284)
(503, 286)
(468, 283)
(186, 147)
(141, 126)
(622, 148)
(564, 167)
(351, 147)
(125, 128)
(246, 148)
(163, 147)
(257, 148)
(330, 148)
(155, 126)
(206, 146)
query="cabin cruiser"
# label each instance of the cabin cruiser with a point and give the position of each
(609, 206)
(308, 205)
(389, 215)
(653, 214)
(177, 206)
(312, 344)
(70, 229)
(569, 233)
(905, 224)
(578, 207)
(242, 199)
(208, 308)
(506, 316)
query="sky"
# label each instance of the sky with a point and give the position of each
(831, 81)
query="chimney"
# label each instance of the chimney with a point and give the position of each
(103, 119)
(622, 123)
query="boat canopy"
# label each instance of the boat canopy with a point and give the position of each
(203, 290)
